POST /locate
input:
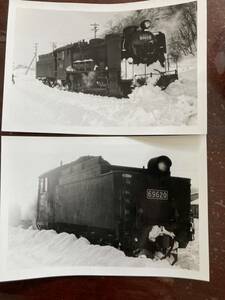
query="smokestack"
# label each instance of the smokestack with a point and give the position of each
(61, 163)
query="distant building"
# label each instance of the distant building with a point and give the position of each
(195, 205)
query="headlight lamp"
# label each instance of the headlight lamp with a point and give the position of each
(162, 166)
(146, 24)
(130, 60)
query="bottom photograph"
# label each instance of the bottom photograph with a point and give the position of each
(104, 206)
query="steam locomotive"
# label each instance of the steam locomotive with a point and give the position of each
(120, 206)
(95, 67)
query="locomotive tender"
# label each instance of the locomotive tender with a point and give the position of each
(117, 205)
(94, 67)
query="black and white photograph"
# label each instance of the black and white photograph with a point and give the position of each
(104, 206)
(134, 68)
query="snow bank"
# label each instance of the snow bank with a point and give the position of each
(189, 257)
(30, 248)
(170, 107)
(31, 104)
(177, 105)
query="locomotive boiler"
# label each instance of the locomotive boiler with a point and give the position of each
(100, 66)
(117, 205)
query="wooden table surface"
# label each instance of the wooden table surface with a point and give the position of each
(102, 288)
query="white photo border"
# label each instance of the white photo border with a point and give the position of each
(201, 274)
(200, 128)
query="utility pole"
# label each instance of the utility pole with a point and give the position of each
(33, 59)
(95, 29)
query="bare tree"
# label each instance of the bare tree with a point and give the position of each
(183, 40)
(135, 18)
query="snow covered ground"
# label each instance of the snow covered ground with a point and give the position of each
(32, 106)
(30, 248)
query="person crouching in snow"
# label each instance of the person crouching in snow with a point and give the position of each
(159, 244)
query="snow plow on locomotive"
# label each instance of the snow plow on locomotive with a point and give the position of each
(100, 66)
(140, 211)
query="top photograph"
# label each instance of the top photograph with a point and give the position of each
(109, 69)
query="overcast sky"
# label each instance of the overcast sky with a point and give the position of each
(24, 159)
(61, 27)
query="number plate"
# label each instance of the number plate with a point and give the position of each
(152, 194)
(145, 37)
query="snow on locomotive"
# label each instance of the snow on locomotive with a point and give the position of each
(140, 211)
(95, 67)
